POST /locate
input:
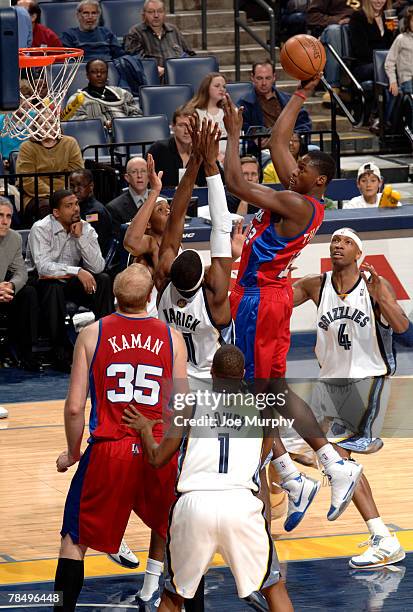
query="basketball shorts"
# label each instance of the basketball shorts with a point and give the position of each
(262, 329)
(351, 408)
(113, 478)
(230, 523)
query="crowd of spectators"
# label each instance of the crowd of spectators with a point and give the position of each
(71, 231)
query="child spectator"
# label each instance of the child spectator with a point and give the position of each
(369, 182)
(400, 59)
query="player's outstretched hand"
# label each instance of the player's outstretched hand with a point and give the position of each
(194, 129)
(232, 117)
(209, 141)
(238, 239)
(134, 419)
(155, 179)
(375, 284)
(64, 461)
(308, 87)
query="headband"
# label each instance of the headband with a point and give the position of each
(201, 278)
(344, 231)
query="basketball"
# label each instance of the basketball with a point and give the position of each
(303, 56)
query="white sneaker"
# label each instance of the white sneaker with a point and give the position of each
(343, 478)
(381, 551)
(3, 413)
(301, 492)
(125, 557)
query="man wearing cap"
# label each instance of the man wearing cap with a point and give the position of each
(369, 182)
(354, 347)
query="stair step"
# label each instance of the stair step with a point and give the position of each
(217, 35)
(226, 55)
(192, 19)
(195, 5)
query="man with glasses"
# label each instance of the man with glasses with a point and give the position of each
(91, 210)
(155, 38)
(123, 208)
(96, 41)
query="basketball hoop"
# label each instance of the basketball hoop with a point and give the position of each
(42, 98)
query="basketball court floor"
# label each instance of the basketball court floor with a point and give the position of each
(314, 557)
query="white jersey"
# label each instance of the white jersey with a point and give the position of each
(151, 307)
(222, 450)
(351, 342)
(192, 317)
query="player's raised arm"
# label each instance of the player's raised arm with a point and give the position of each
(384, 296)
(282, 158)
(74, 410)
(135, 241)
(172, 237)
(307, 288)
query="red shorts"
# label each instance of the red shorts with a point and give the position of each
(113, 478)
(262, 329)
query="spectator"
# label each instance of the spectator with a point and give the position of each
(96, 41)
(207, 101)
(47, 155)
(298, 147)
(263, 106)
(18, 301)
(91, 210)
(103, 101)
(326, 17)
(65, 252)
(42, 36)
(369, 182)
(24, 27)
(400, 59)
(123, 208)
(172, 155)
(155, 38)
(252, 173)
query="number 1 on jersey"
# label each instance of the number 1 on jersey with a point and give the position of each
(223, 452)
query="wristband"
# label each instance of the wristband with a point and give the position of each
(300, 95)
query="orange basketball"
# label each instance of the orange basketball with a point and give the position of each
(303, 56)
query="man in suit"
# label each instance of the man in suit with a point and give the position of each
(124, 207)
(18, 301)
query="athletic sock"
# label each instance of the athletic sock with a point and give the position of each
(285, 467)
(153, 572)
(69, 580)
(377, 527)
(196, 604)
(328, 455)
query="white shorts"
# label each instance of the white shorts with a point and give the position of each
(231, 523)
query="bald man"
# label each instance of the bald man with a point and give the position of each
(125, 358)
(126, 205)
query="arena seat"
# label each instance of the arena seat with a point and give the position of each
(150, 68)
(164, 99)
(239, 90)
(59, 16)
(139, 130)
(120, 15)
(189, 70)
(87, 132)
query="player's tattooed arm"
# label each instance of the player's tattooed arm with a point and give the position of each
(307, 288)
(385, 300)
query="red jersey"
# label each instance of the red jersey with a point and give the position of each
(132, 364)
(266, 256)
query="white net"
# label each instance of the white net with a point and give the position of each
(42, 93)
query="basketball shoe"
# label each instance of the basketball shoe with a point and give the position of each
(381, 551)
(301, 492)
(4, 413)
(151, 605)
(343, 477)
(125, 557)
(365, 446)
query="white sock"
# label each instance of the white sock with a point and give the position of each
(328, 455)
(153, 572)
(285, 467)
(377, 527)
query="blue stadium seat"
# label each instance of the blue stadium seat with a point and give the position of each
(87, 132)
(80, 80)
(164, 99)
(239, 90)
(189, 70)
(120, 15)
(59, 16)
(150, 68)
(139, 130)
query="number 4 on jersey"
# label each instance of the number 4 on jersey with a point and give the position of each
(343, 339)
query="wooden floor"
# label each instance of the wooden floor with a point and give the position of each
(32, 493)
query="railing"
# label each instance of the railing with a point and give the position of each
(238, 24)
